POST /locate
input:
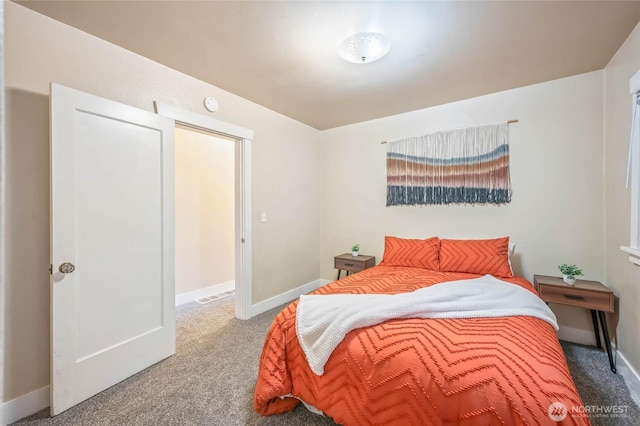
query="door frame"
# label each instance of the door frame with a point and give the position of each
(243, 244)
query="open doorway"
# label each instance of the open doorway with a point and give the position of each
(204, 216)
(242, 138)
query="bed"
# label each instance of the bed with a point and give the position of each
(477, 370)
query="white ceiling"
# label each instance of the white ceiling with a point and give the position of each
(283, 54)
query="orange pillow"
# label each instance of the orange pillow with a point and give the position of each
(409, 252)
(476, 256)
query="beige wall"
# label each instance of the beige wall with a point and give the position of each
(285, 172)
(556, 214)
(621, 275)
(205, 209)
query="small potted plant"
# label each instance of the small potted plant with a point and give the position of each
(355, 249)
(569, 273)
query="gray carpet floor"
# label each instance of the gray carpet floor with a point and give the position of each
(211, 379)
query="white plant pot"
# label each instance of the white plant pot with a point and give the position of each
(354, 253)
(567, 280)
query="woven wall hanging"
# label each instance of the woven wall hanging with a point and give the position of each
(462, 166)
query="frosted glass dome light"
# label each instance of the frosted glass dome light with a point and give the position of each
(362, 48)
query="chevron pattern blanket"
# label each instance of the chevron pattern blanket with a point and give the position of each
(322, 321)
(467, 371)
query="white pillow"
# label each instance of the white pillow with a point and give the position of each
(510, 250)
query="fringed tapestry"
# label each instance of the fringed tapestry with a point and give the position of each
(464, 166)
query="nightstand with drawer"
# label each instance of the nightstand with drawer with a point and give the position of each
(349, 263)
(591, 295)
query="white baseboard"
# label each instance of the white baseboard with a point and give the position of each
(283, 298)
(25, 405)
(630, 376)
(577, 335)
(192, 296)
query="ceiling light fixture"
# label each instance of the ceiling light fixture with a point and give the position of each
(364, 47)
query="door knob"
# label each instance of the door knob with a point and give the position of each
(66, 268)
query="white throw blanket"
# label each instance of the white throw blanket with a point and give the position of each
(322, 321)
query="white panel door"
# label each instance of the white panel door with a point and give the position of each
(112, 219)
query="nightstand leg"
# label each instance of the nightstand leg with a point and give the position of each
(594, 318)
(339, 270)
(607, 342)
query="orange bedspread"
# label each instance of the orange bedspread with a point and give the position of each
(480, 371)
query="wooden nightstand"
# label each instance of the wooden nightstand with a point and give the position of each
(348, 262)
(585, 294)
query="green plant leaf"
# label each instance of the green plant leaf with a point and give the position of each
(570, 270)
